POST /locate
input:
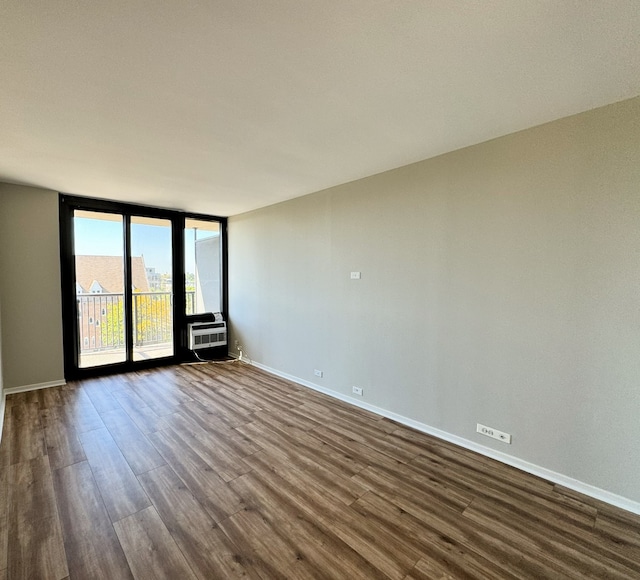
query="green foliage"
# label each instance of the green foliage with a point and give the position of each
(153, 319)
(112, 325)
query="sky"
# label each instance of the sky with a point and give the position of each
(94, 237)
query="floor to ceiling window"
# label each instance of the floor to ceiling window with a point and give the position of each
(152, 304)
(133, 278)
(203, 266)
(98, 252)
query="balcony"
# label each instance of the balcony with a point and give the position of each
(101, 327)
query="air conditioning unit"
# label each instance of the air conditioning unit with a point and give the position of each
(207, 334)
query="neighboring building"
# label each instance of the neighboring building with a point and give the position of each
(159, 282)
(155, 279)
(208, 283)
(108, 273)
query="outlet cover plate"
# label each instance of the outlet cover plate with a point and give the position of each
(491, 432)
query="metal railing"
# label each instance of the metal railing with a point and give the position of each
(190, 298)
(152, 318)
(101, 320)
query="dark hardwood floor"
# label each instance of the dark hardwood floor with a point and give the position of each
(224, 471)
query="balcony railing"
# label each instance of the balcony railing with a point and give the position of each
(101, 321)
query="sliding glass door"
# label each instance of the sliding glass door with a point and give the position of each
(108, 309)
(152, 291)
(127, 297)
(99, 288)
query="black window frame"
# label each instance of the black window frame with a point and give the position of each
(68, 204)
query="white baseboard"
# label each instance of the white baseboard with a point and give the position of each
(3, 405)
(34, 387)
(574, 484)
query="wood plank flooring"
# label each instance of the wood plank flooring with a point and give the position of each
(224, 471)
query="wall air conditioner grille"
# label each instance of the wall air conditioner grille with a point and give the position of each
(207, 335)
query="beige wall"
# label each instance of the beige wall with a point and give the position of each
(500, 284)
(30, 286)
(1, 379)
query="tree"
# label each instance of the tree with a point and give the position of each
(153, 318)
(112, 324)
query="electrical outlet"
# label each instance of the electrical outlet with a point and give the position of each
(357, 391)
(356, 275)
(491, 432)
(318, 373)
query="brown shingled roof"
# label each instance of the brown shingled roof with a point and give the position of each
(108, 272)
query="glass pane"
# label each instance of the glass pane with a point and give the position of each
(203, 266)
(99, 259)
(152, 299)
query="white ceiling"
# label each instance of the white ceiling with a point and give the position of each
(222, 106)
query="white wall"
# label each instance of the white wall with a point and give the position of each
(500, 284)
(30, 294)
